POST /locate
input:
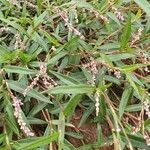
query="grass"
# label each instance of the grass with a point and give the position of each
(74, 75)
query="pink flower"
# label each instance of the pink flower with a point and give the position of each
(17, 113)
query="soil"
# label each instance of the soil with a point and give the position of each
(88, 130)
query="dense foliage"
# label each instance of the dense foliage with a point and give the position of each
(74, 74)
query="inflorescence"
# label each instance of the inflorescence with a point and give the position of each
(17, 113)
(47, 81)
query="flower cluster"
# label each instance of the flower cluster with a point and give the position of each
(18, 43)
(15, 3)
(105, 19)
(138, 127)
(47, 81)
(31, 5)
(97, 102)
(64, 16)
(33, 83)
(115, 71)
(92, 68)
(145, 59)
(74, 9)
(53, 49)
(4, 29)
(118, 129)
(116, 11)
(147, 139)
(147, 108)
(136, 37)
(17, 113)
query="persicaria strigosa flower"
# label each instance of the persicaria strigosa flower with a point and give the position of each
(17, 113)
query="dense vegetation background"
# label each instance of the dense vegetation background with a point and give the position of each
(74, 74)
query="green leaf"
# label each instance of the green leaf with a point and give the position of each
(72, 89)
(112, 79)
(61, 129)
(26, 57)
(136, 80)
(16, 86)
(40, 40)
(20, 70)
(106, 59)
(72, 44)
(75, 135)
(3, 148)
(134, 108)
(68, 145)
(124, 100)
(79, 3)
(71, 105)
(130, 68)
(15, 25)
(83, 4)
(32, 120)
(136, 142)
(147, 123)
(54, 59)
(145, 5)
(39, 142)
(86, 114)
(109, 46)
(37, 108)
(9, 56)
(39, 4)
(113, 17)
(126, 33)
(86, 146)
(3, 50)
(100, 134)
(12, 126)
(10, 119)
(65, 79)
(2, 137)
(118, 57)
(51, 39)
(40, 19)
(129, 77)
